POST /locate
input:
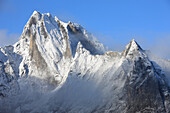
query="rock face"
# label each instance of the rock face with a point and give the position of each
(63, 68)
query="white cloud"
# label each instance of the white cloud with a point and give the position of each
(161, 47)
(7, 39)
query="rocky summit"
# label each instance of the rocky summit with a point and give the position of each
(59, 67)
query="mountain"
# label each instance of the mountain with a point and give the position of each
(58, 67)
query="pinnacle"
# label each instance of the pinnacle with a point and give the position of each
(132, 47)
(134, 44)
(36, 13)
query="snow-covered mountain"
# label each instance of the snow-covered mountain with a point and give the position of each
(58, 67)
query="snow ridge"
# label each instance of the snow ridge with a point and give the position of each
(63, 68)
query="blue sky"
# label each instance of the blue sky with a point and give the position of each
(113, 22)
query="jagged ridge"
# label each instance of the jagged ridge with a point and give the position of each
(66, 68)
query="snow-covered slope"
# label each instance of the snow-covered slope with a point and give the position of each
(60, 67)
(161, 64)
(49, 45)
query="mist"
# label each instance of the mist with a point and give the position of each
(7, 38)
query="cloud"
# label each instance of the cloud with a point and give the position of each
(7, 39)
(159, 44)
(161, 47)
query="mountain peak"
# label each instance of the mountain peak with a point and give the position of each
(135, 44)
(36, 12)
(36, 16)
(64, 66)
(132, 49)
